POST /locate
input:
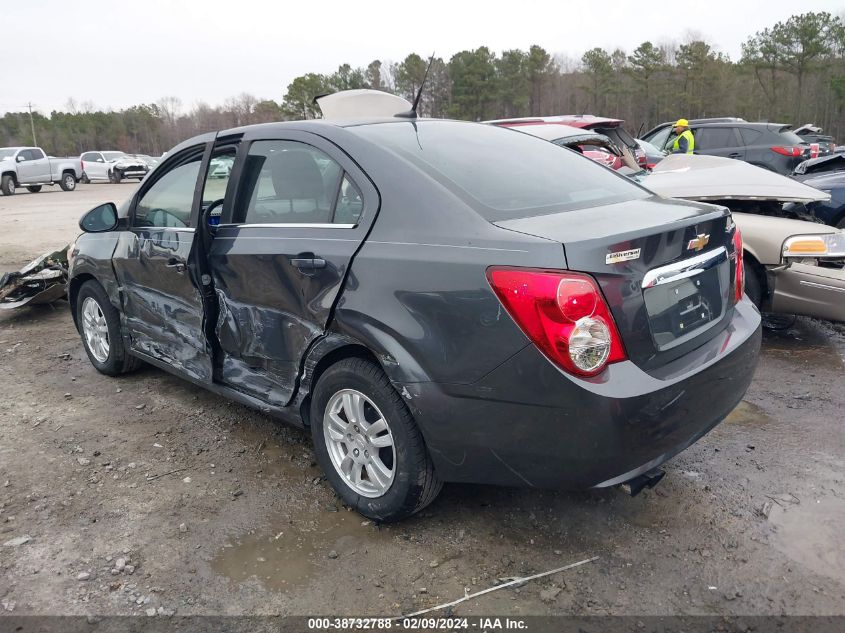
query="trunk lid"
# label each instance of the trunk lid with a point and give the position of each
(665, 268)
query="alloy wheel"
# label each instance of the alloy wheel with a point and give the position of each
(360, 443)
(95, 329)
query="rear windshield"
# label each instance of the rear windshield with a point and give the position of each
(503, 174)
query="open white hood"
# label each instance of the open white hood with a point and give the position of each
(362, 104)
(714, 178)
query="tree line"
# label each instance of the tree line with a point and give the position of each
(792, 72)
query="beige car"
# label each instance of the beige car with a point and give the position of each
(792, 266)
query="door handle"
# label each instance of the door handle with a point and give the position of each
(308, 263)
(734, 155)
(176, 264)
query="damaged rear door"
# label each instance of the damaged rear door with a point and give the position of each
(281, 254)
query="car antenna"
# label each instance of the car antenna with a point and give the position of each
(412, 113)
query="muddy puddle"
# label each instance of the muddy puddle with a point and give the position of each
(749, 413)
(810, 533)
(806, 342)
(285, 555)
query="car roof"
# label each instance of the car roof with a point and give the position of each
(316, 126)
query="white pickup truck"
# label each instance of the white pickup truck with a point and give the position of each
(31, 168)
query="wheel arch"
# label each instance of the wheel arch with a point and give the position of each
(73, 292)
(325, 353)
(760, 271)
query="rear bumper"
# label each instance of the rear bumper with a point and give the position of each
(529, 424)
(809, 291)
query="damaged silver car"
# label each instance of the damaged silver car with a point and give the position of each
(793, 263)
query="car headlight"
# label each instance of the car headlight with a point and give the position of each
(830, 245)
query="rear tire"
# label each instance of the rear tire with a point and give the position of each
(34, 189)
(413, 484)
(85, 180)
(7, 185)
(95, 315)
(68, 181)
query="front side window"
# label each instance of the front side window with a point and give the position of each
(168, 202)
(661, 137)
(288, 182)
(525, 176)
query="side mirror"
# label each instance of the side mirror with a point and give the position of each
(20, 158)
(100, 219)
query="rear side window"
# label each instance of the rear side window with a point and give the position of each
(715, 138)
(749, 136)
(90, 157)
(288, 182)
(36, 154)
(521, 176)
(788, 137)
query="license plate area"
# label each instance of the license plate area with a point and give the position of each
(685, 299)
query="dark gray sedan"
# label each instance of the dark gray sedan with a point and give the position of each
(436, 300)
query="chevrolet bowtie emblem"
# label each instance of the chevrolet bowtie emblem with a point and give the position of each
(698, 242)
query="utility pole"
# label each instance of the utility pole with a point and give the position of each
(32, 124)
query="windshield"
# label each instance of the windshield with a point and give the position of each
(113, 155)
(500, 174)
(7, 152)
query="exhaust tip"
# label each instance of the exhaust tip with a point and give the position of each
(635, 486)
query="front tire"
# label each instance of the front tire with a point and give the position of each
(7, 185)
(99, 325)
(115, 176)
(368, 444)
(34, 189)
(68, 182)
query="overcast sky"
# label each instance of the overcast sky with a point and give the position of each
(117, 54)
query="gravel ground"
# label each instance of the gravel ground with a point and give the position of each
(121, 496)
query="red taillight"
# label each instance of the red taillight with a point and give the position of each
(789, 150)
(814, 150)
(564, 314)
(739, 275)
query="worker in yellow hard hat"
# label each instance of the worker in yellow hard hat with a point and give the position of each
(684, 140)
